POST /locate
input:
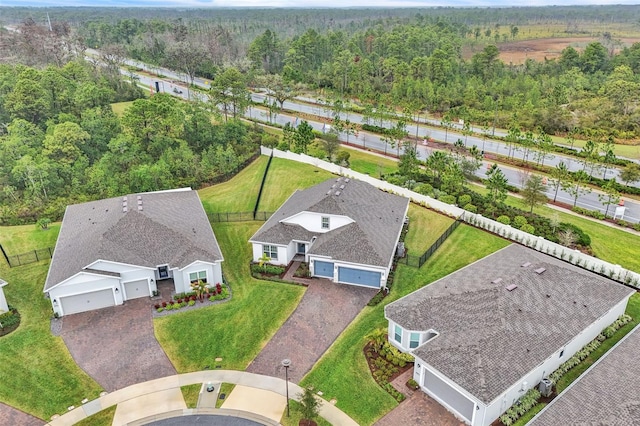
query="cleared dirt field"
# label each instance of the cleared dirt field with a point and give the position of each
(519, 51)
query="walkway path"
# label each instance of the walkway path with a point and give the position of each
(324, 311)
(328, 411)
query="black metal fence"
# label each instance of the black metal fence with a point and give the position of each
(238, 216)
(418, 261)
(30, 257)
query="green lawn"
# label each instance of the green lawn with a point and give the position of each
(191, 394)
(39, 375)
(296, 416)
(239, 194)
(371, 164)
(608, 243)
(119, 107)
(236, 330)
(425, 226)
(101, 418)
(284, 177)
(225, 388)
(20, 239)
(343, 367)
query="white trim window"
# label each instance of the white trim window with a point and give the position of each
(397, 335)
(194, 277)
(414, 340)
(325, 222)
(270, 251)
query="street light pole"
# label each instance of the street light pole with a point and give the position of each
(286, 363)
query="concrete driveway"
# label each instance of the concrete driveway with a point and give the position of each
(116, 346)
(324, 311)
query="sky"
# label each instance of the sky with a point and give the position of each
(305, 3)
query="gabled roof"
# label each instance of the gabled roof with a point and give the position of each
(489, 337)
(170, 228)
(378, 218)
(607, 394)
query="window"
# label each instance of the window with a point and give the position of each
(325, 222)
(194, 277)
(414, 340)
(398, 334)
(270, 251)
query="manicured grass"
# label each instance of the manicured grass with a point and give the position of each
(522, 421)
(284, 177)
(20, 239)
(343, 367)
(425, 226)
(608, 243)
(191, 393)
(239, 194)
(371, 164)
(101, 418)
(295, 409)
(39, 375)
(120, 107)
(225, 388)
(633, 310)
(236, 330)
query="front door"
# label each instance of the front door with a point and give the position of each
(163, 272)
(301, 248)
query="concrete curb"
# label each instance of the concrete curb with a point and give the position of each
(328, 411)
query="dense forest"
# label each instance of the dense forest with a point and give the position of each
(405, 59)
(64, 144)
(60, 141)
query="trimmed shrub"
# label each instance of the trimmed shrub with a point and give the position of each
(504, 219)
(464, 199)
(519, 221)
(449, 199)
(528, 228)
(471, 208)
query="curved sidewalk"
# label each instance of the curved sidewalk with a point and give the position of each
(328, 411)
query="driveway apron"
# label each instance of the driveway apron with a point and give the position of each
(324, 311)
(116, 346)
(14, 417)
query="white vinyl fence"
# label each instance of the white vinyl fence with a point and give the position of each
(615, 272)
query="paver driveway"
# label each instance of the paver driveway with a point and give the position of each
(419, 409)
(324, 311)
(13, 417)
(116, 346)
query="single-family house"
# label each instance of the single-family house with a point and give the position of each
(117, 249)
(347, 230)
(484, 335)
(606, 394)
(4, 306)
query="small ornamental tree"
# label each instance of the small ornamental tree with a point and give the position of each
(309, 407)
(43, 223)
(200, 287)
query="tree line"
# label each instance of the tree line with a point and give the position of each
(62, 143)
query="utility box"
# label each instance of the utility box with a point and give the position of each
(546, 388)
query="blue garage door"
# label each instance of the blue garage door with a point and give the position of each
(358, 276)
(323, 269)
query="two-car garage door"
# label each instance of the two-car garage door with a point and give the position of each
(359, 277)
(87, 301)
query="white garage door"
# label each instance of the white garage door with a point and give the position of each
(136, 289)
(87, 301)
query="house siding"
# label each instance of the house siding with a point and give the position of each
(214, 275)
(312, 221)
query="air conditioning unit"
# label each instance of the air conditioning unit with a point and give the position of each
(401, 251)
(546, 387)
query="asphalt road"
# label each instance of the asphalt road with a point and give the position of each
(205, 420)
(374, 141)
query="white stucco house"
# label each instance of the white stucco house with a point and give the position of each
(4, 306)
(347, 230)
(484, 335)
(117, 249)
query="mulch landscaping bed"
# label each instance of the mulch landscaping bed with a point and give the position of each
(371, 357)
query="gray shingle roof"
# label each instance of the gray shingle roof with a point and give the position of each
(172, 228)
(609, 394)
(371, 240)
(490, 337)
